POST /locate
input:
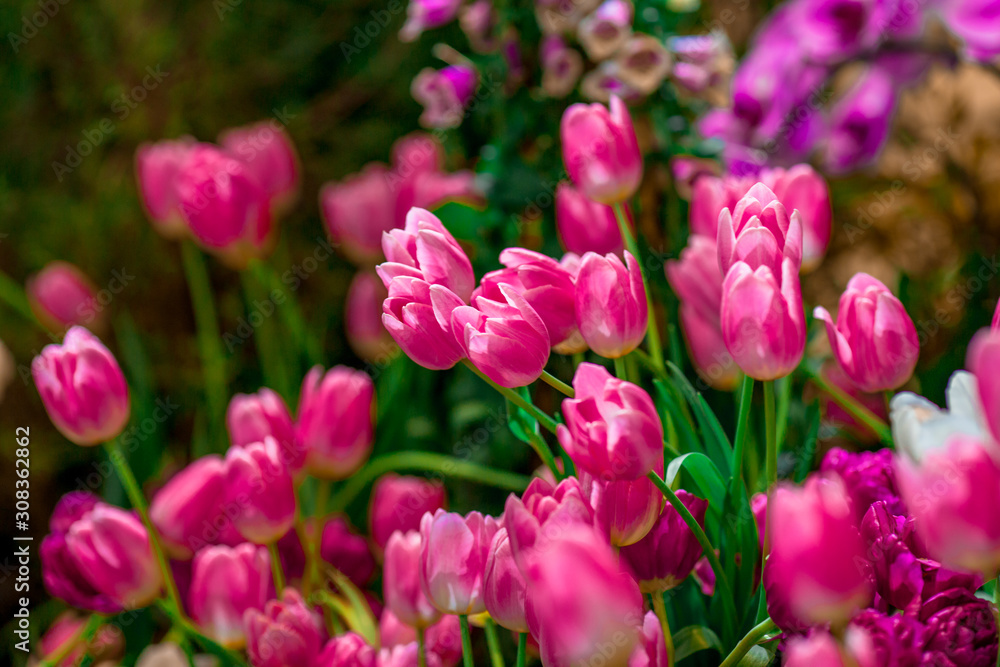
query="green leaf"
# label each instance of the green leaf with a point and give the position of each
(808, 451)
(717, 445)
(695, 638)
(708, 483)
(758, 656)
(687, 438)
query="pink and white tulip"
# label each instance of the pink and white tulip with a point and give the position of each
(417, 315)
(504, 588)
(453, 558)
(543, 511)
(402, 576)
(625, 510)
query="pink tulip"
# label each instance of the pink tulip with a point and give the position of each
(287, 632)
(504, 588)
(363, 318)
(417, 153)
(347, 650)
(665, 557)
(606, 30)
(342, 547)
(358, 210)
(874, 339)
(424, 14)
(82, 387)
(453, 559)
(816, 650)
(225, 583)
(269, 155)
(156, 169)
(336, 423)
(260, 486)
(401, 581)
(431, 189)
(811, 574)
(611, 308)
(983, 360)
(444, 94)
(561, 69)
(60, 295)
(506, 340)
(107, 644)
(543, 511)
(252, 417)
(626, 509)
(111, 548)
(223, 206)
(758, 231)
(801, 189)
(406, 655)
(600, 151)
(711, 194)
(651, 650)
(696, 279)
(585, 225)
(424, 249)
(444, 638)
(612, 429)
(185, 509)
(418, 317)
(398, 503)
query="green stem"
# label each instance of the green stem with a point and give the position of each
(620, 371)
(557, 384)
(522, 648)
(661, 612)
(85, 634)
(655, 349)
(139, 504)
(421, 647)
(546, 422)
(742, 422)
(857, 410)
(273, 362)
(209, 341)
(493, 642)
(291, 314)
(466, 641)
(545, 453)
(430, 461)
(771, 460)
(721, 582)
(751, 639)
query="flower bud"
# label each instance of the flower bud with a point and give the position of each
(586, 226)
(336, 424)
(401, 581)
(453, 559)
(611, 308)
(625, 509)
(667, 554)
(252, 417)
(801, 189)
(156, 169)
(398, 503)
(185, 509)
(287, 632)
(600, 151)
(270, 158)
(260, 486)
(225, 583)
(60, 295)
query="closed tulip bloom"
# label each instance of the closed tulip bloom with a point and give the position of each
(651, 650)
(801, 189)
(269, 155)
(224, 207)
(874, 339)
(424, 249)
(363, 318)
(811, 574)
(759, 231)
(444, 94)
(60, 295)
(667, 554)
(504, 588)
(418, 317)
(401, 581)
(398, 502)
(357, 210)
(347, 650)
(612, 429)
(252, 417)
(606, 30)
(611, 308)
(225, 583)
(543, 511)
(625, 510)
(983, 360)
(505, 339)
(82, 387)
(453, 559)
(586, 226)
(260, 486)
(342, 547)
(156, 168)
(600, 151)
(287, 632)
(336, 423)
(183, 511)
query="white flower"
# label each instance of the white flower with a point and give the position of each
(919, 426)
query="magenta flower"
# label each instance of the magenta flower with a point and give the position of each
(651, 650)
(358, 210)
(225, 583)
(336, 421)
(259, 486)
(270, 158)
(156, 169)
(398, 503)
(347, 650)
(418, 317)
(444, 94)
(252, 417)
(287, 632)
(424, 14)
(185, 510)
(342, 547)
(504, 588)
(801, 189)
(544, 510)
(859, 122)
(424, 249)
(60, 295)
(600, 151)
(959, 629)
(886, 640)
(667, 554)
(453, 559)
(611, 308)
(584, 225)
(983, 360)
(401, 581)
(868, 478)
(625, 510)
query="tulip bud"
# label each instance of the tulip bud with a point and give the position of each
(401, 581)
(585, 225)
(336, 421)
(183, 511)
(347, 650)
(270, 158)
(82, 387)
(667, 554)
(600, 151)
(347, 551)
(287, 632)
(606, 30)
(504, 589)
(60, 295)
(260, 486)
(453, 559)
(424, 249)
(545, 511)
(506, 340)
(801, 189)
(983, 359)
(358, 210)
(626, 509)
(651, 650)
(874, 339)
(812, 574)
(561, 67)
(363, 318)
(424, 14)
(399, 502)
(225, 583)
(612, 429)
(156, 169)
(252, 417)
(611, 308)
(444, 94)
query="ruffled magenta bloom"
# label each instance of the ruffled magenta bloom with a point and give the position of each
(886, 640)
(983, 360)
(156, 169)
(336, 423)
(363, 318)
(860, 121)
(252, 417)
(504, 588)
(185, 510)
(868, 477)
(606, 29)
(82, 387)
(418, 317)
(544, 509)
(260, 486)
(424, 249)
(453, 558)
(667, 554)
(600, 151)
(697, 281)
(225, 583)
(811, 574)
(561, 69)
(347, 650)
(611, 308)
(586, 226)
(801, 189)
(287, 632)
(874, 339)
(444, 94)
(424, 14)
(506, 340)
(651, 650)
(224, 207)
(401, 581)
(269, 155)
(60, 295)
(398, 502)
(959, 629)
(625, 510)
(342, 547)
(358, 210)
(612, 428)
